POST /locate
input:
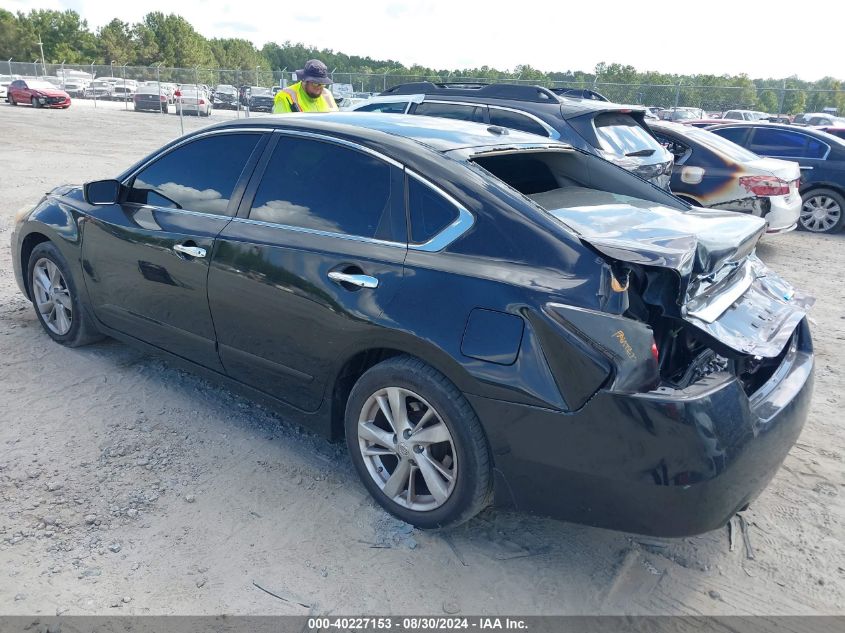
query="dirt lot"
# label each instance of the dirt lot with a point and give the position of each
(127, 486)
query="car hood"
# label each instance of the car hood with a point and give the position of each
(722, 288)
(50, 93)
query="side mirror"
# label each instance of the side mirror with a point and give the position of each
(102, 192)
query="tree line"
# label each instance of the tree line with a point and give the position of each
(172, 41)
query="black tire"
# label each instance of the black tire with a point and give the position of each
(473, 485)
(82, 329)
(35, 102)
(808, 198)
(12, 100)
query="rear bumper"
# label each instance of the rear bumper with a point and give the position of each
(783, 215)
(664, 463)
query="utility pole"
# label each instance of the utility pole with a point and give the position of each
(41, 48)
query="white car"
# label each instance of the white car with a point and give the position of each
(193, 101)
(745, 115)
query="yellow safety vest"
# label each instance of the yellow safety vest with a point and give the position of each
(295, 99)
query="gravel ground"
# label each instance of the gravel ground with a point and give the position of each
(128, 486)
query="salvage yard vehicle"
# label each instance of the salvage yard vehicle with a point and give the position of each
(225, 96)
(821, 158)
(714, 173)
(150, 99)
(260, 99)
(615, 132)
(484, 315)
(193, 101)
(99, 90)
(38, 94)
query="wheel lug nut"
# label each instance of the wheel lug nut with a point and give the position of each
(406, 433)
(418, 449)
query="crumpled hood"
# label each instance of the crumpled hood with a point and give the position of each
(693, 242)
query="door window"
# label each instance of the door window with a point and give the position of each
(516, 121)
(198, 176)
(451, 111)
(430, 212)
(327, 187)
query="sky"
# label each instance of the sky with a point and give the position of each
(762, 38)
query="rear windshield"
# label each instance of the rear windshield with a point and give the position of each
(621, 134)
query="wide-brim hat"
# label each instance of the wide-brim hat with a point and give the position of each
(314, 71)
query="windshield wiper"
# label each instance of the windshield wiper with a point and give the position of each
(641, 152)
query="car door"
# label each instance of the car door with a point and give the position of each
(146, 260)
(809, 152)
(306, 270)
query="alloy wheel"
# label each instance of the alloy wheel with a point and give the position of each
(407, 449)
(820, 213)
(52, 297)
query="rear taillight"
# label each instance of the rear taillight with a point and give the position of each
(202, 101)
(163, 98)
(765, 185)
(655, 353)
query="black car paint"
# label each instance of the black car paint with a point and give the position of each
(621, 460)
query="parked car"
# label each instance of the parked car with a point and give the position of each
(124, 92)
(822, 119)
(260, 99)
(821, 157)
(99, 90)
(714, 173)
(225, 96)
(745, 115)
(150, 99)
(832, 129)
(4, 87)
(613, 131)
(597, 343)
(193, 101)
(703, 123)
(75, 89)
(39, 94)
(681, 114)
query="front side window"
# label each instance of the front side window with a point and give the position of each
(198, 176)
(327, 187)
(457, 111)
(736, 135)
(516, 121)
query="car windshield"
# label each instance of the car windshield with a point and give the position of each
(621, 134)
(261, 92)
(226, 90)
(40, 85)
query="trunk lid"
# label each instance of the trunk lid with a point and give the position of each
(722, 288)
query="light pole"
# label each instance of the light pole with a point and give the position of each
(41, 48)
(158, 80)
(63, 74)
(35, 67)
(112, 67)
(10, 66)
(125, 100)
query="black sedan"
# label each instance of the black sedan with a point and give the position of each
(485, 315)
(260, 99)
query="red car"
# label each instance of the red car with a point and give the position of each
(39, 94)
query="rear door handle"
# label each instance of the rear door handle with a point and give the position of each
(190, 251)
(807, 167)
(362, 281)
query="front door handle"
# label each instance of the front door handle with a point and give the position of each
(190, 251)
(806, 167)
(362, 281)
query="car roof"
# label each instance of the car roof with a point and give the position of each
(810, 131)
(442, 135)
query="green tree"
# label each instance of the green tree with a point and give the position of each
(65, 36)
(179, 45)
(115, 41)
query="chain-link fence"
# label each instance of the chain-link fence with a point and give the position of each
(711, 99)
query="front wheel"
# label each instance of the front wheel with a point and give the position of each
(822, 211)
(35, 103)
(57, 302)
(417, 444)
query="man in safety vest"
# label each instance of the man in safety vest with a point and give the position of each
(308, 94)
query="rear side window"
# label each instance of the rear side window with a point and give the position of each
(430, 212)
(732, 115)
(516, 121)
(389, 108)
(451, 111)
(199, 176)
(326, 187)
(621, 134)
(786, 143)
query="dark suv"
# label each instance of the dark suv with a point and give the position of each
(821, 157)
(615, 132)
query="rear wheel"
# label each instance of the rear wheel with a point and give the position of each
(417, 444)
(57, 302)
(822, 211)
